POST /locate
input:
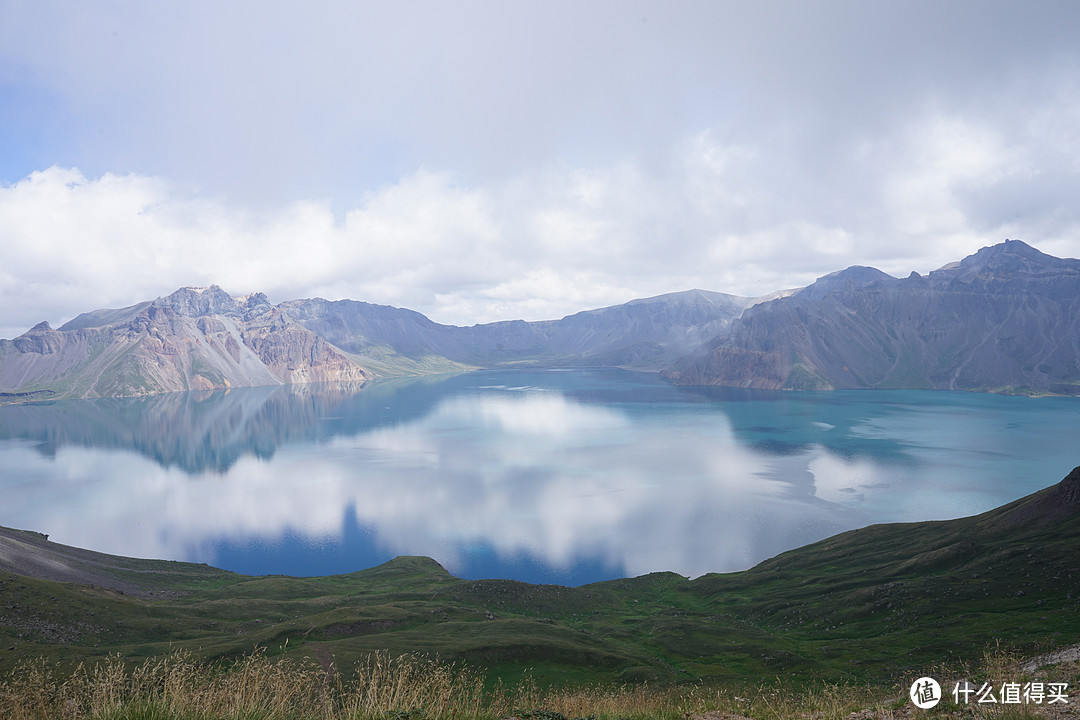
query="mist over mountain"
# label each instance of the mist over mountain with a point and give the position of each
(645, 334)
(1006, 319)
(1002, 320)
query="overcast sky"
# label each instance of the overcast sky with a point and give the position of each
(480, 161)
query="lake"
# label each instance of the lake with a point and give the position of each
(544, 476)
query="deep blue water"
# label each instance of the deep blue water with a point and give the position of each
(543, 476)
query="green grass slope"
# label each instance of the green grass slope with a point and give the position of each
(867, 605)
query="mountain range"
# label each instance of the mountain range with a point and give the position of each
(1006, 319)
(1002, 320)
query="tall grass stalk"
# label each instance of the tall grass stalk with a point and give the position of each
(179, 686)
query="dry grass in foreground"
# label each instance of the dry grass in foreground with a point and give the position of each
(181, 687)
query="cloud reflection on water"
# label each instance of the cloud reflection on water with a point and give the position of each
(542, 475)
(459, 470)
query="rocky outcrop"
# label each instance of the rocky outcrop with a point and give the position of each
(294, 354)
(40, 339)
(1006, 319)
(193, 339)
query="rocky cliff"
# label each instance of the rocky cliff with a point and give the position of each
(195, 338)
(1006, 319)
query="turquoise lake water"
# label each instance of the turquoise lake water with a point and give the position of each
(543, 476)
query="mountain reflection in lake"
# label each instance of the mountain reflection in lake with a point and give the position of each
(545, 476)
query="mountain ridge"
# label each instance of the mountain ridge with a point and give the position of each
(204, 338)
(1003, 319)
(644, 332)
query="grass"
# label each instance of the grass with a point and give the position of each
(385, 362)
(180, 686)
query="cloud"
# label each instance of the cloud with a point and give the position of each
(555, 239)
(276, 101)
(484, 161)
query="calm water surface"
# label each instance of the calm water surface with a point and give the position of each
(544, 476)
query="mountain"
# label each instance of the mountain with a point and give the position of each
(870, 605)
(1002, 320)
(195, 338)
(648, 333)
(1006, 319)
(203, 338)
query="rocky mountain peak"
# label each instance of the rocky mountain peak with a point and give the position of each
(196, 302)
(40, 339)
(1009, 259)
(254, 304)
(853, 278)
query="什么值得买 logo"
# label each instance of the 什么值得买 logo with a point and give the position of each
(925, 693)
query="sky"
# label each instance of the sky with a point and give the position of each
(482, 161)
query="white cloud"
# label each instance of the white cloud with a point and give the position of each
(545, 243)
(527, 160)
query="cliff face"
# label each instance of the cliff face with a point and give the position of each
(192, 339)
(1006, 319)
(294, 354)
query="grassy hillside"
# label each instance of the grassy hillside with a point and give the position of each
(866, 606)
